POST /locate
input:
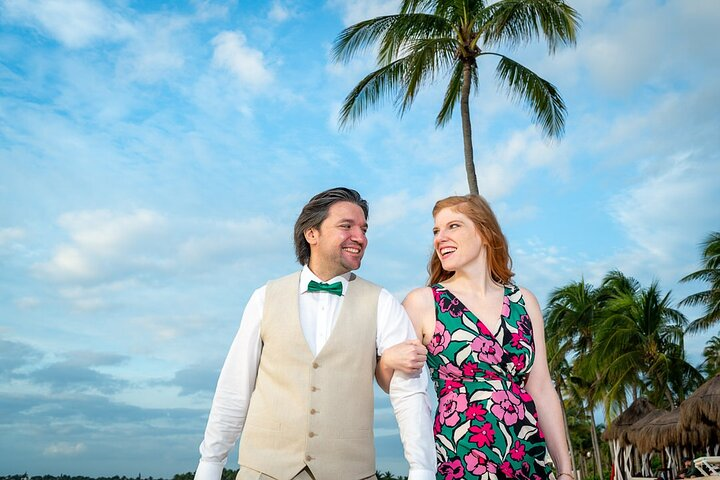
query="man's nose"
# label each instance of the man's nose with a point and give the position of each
(359, 235)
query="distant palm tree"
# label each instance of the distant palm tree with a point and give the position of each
(429, 38)
(711, 352)
(639, 344)
(709, 273)
(572, 315)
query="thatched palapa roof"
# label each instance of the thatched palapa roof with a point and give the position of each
(619, 426)
(702, 408)
(661, 432)
(634, 432)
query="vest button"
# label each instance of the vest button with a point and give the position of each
(311, 434)
(315, 365)
(313, 411)
(308, 458)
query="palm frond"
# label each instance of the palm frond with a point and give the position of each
(538, 94)
(359, 37)
(407, 30)
(517, 22)
(383, 82)
(425, 59)
(452, 96)
(706, 321)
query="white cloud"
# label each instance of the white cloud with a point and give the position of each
(353, 11)
(101, 244)
(279, 12)
(232, 53)
(26, 303)
(508, 163)
(64, 449)
(389, 208)
(75, 23)
(630, 44)
(667, 215)
(10, 235)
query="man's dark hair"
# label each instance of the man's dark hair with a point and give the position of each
(316, 211)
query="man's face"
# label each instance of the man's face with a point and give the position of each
(338, 245)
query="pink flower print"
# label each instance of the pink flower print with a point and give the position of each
(450, 371)
(482, 435)
(507, 407)
(507, 469)
(451, 405)
(469, 369)
(452, 469)
(490, 375)
(519, 361)
(525, 397)
(517, 452)
(440, 339)
(486, 349)
(477, 463)
(450, 385)
(516, 339)
(437, 426)
(476, 412)
(506, 307)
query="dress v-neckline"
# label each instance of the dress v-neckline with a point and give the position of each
(478, 319)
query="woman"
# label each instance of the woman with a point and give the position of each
(497, 413)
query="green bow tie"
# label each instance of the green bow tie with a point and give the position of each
(335, 288)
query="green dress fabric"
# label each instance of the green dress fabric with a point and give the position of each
(486, 424)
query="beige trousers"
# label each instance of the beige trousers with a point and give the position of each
(249, 474)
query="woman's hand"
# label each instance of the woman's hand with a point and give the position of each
(407, 357)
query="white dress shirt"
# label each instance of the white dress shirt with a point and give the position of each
(318, 314)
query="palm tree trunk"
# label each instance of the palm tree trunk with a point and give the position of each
(595, 444)
(567, 430)
(467, 130)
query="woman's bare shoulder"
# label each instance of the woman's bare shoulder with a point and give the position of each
(421, 297)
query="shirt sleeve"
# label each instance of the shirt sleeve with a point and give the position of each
(408, 394)
(232, 395)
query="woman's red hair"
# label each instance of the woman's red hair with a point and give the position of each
(478, 210)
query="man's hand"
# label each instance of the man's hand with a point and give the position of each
(407, 357)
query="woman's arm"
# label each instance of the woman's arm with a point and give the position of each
(540, 387)
(408, 357)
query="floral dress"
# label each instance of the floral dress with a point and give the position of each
(486, 424)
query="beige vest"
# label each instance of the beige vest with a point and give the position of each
(315, 412)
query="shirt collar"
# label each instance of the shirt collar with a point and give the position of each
(306, 275)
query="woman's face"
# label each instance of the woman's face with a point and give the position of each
(457, 242)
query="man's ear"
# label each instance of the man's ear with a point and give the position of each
(311, 235)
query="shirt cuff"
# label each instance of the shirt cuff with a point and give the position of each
(421, 474)
(209, 470)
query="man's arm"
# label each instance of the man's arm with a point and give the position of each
(408, 393)
(232, 395)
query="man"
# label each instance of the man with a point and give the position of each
(297, 383)
(688, 469)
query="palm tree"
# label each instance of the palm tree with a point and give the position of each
(709, 273)
(639, 344)
(433, 37)
(571, 321)
(711, 352)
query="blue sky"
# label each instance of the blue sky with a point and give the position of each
(154, 156)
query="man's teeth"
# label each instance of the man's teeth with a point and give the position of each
(352, 250)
